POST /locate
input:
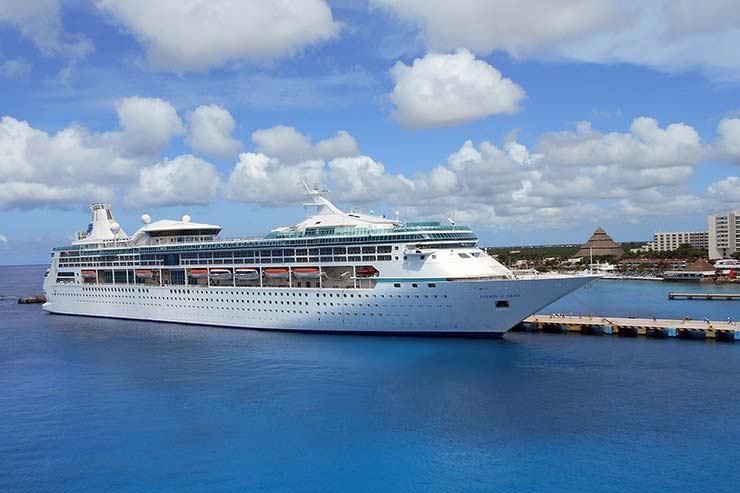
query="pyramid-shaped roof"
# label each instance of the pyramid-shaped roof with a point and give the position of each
(600, 244)
(700, 265)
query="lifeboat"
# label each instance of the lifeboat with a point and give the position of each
(306, 272)
(89, 274)
(198, 273)
(244, 274)
(220, 274)
(144, 273)
(367, 271)
(276, 273)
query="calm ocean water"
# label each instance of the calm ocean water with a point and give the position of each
(106, 405)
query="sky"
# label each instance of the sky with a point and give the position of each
(533, 121)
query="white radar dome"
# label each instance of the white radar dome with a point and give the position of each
(146, 218)
(186, 218)
(115, 228)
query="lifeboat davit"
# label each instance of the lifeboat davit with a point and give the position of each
(276, 273)
(144, 273)
(220, 274)
(367, 271)
(198, 273)
(306, 272)
(89, 274)
(244, 274)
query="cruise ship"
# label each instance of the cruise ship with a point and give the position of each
(335, 272)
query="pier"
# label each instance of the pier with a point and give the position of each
(704, 296)
(649, 327)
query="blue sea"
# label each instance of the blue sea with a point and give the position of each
(104, 405)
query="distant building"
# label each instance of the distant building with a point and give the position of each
(652, 264)
(599, 245)
(724, 234)
(667, 242)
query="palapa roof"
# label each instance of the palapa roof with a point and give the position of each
(600, 244)
(700, 265)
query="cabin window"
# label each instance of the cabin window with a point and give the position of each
(502, 304)
(432, 285)
(464, 255)
(397, 285)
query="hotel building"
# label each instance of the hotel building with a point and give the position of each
(724, 234)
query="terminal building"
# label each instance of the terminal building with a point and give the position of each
(724, 234)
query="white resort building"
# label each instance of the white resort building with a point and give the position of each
(669, 241)
(724, 234)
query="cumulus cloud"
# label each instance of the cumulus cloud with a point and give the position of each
(40, 21)
(27, 195)
(185, 179)
(665, 34)
(3, 239)
(16, 68)
(147, 124)
(448, 89)
(645, 145)
(288, 145)
(77, 165)
(727, 145)
(264, 180)
(726, 191)
(210, 131)
(520, 27)
(209, 33)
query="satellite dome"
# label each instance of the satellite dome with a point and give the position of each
(186, 218)
(146, 218)
(115, 228)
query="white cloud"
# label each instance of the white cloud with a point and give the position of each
(727, 145)
(17, 68)
(3, 238)
(147, 124)
(76, 165)
(209, 33)
(726, 191)
(27, 195)
(646, 145)
(40, 21)
(664, 34)
(261, 179)
(185, 179)
(448, 89)
(519, 27)
(288, 145)
(210, 131)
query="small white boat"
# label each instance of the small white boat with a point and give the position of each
(276, 272)
(220, 274)
(726, 265)
(243, 274)
(306, 272)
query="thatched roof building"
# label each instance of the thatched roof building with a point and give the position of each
(600, 244)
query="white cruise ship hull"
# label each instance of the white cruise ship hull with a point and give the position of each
(467, 308)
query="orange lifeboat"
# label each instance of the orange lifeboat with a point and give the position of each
(276, 272)
(306, 272)
(89, 274)
(367, 271)
(144, 273)
(198, 273)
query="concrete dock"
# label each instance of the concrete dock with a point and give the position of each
(704, 296)
(660, 327)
